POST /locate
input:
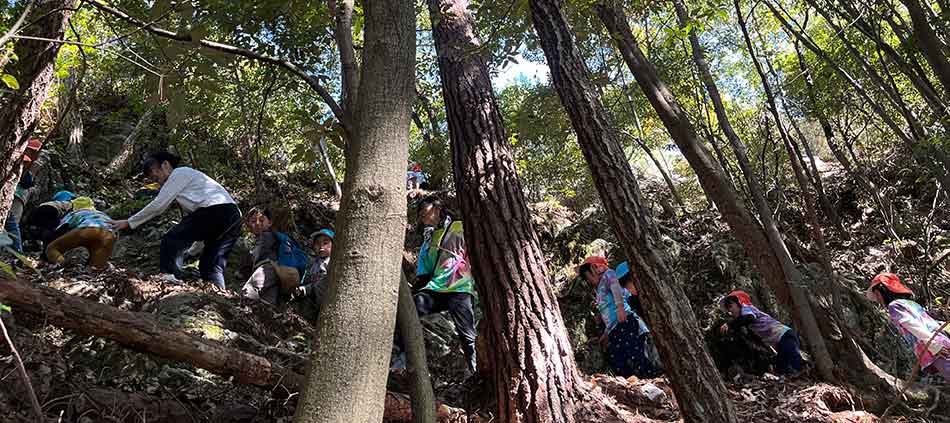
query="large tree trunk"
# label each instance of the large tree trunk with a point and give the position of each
(142, 332)
(121, 160)
(356, 328)
(531, 361)
(696, 383)
(34, 73)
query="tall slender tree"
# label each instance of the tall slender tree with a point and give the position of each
(350, 363)
(696, 383)
(530, 359)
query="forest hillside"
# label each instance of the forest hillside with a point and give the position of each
(455, 211)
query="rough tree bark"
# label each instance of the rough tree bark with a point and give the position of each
(696, 383)
(34, 73)
(350, 365)
(121, 160)
(530, 360)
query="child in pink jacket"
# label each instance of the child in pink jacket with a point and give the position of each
(914, 323)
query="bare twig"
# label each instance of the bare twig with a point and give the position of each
(26, 378)
(16, 26)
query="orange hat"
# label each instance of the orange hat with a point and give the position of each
(33, 144)
(593, 260)
(596, 260)
(891, 282)
(744, 299)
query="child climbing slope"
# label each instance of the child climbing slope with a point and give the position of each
(775, 334)
(623, 326)
(914, 323)
(84, 227)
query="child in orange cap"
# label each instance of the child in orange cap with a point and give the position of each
(775, 334)
(914, 323)
(625, 351)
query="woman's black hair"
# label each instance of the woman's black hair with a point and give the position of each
(156, 159)
(431, 201)
(889, 295)
(625, 279)
(732, 299)
(585, 269)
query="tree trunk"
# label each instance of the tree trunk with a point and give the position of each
(34, 73)
(413, 339)
(696, 382)
(127, 150)
(531, 360)
(350, 365)
(929, 43)
(350, 75)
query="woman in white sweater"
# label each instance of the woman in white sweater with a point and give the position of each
(213, 217)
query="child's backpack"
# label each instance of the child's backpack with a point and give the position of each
(292, 262)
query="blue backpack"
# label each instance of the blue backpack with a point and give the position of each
(290, 254)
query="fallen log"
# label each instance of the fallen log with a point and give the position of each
(142, 332)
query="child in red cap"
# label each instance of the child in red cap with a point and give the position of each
(914, 323)
(775, 334)
(625, 351)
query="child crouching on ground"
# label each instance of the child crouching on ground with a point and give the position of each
(83, 227)
(914, 323)
(775, 334)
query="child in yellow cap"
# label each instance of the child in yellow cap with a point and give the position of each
(83, 227)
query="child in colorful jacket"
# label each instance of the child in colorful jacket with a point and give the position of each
(625, 351)
(443, 267)
(930, 338)
(84, 227)
(775, 334)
